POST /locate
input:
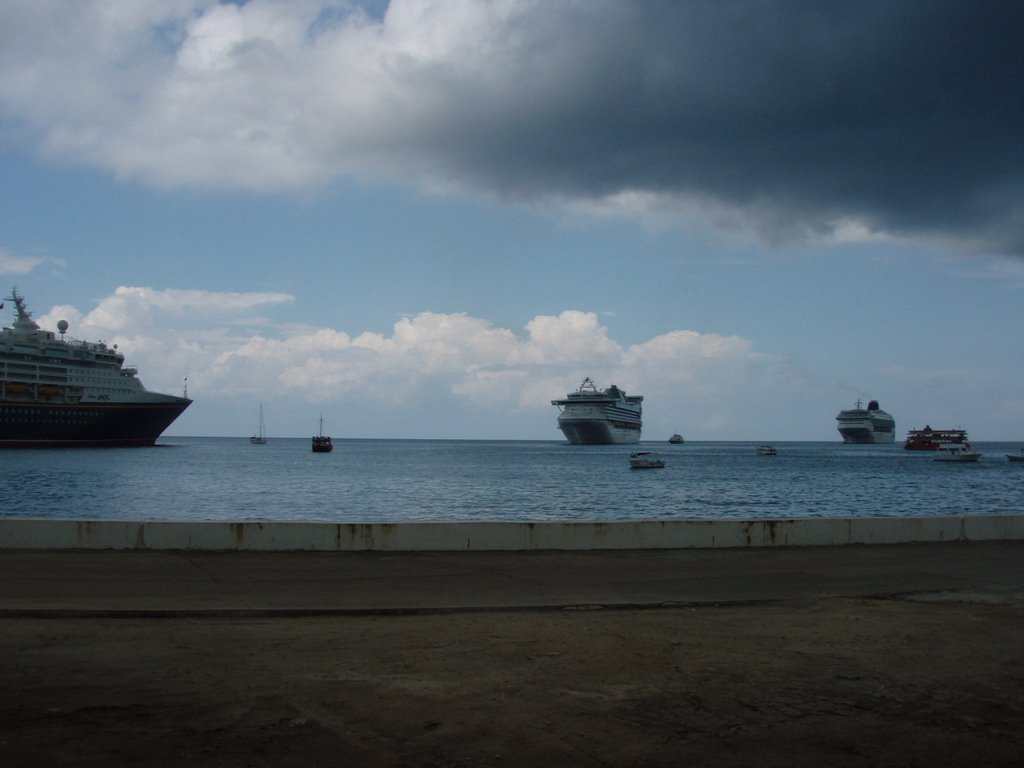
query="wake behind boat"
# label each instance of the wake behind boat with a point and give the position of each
(64, 392)
(592, 417)
(871, 425)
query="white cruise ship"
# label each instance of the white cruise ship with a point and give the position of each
(589, 416)
(63, 392)
(870, 425)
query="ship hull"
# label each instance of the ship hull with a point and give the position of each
(866, 436)
(43, 425)
(598, 432)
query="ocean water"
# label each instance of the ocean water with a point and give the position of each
(451, 480)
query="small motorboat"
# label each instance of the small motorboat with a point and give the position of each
(676, 439)
(956, 452)
(766, 450)
(1016, 456)
(645, 460)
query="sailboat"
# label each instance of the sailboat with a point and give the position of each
(261, 437)
(321, 442)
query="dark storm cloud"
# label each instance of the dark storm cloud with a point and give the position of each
(904, 116)
(794, 118)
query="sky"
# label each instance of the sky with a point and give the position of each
(429, 218)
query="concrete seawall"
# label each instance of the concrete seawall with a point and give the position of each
(499, 536)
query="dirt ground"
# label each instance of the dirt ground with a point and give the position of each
(838, 682)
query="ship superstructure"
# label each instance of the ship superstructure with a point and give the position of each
(56, 391)
(866, 425)
(590, 416)
(929, 439)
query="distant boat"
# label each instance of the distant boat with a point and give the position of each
(260, 438)
(766, 450)
(321, 442)
(1016, 456)
(676, 439)
(645, 460)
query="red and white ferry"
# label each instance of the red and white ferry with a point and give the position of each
(929, 439)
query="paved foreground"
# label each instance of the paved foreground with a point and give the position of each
(892, 655)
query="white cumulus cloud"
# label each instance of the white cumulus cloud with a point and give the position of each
(431, 368)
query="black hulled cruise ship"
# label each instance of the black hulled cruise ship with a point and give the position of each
(63, 392)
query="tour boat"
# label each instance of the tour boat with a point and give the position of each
(956, 452)
(929, 439)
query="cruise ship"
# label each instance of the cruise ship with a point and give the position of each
(589, 416)
(63, 392)
(871, 425)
